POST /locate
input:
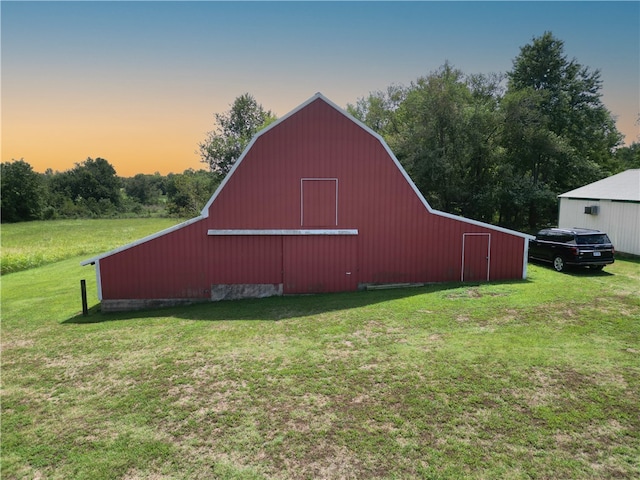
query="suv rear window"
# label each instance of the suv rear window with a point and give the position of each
(594, 239)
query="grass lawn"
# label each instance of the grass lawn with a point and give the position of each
(531, 379)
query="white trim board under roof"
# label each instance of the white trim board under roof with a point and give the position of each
(283, 232)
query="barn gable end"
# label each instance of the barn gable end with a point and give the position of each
(316, 203)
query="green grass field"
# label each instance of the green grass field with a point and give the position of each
(517, 380)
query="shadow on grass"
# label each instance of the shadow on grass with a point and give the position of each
(275, 308)
(576, 271)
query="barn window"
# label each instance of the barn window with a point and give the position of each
(318, 202)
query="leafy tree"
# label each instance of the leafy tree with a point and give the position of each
(533, 154)
(92, 186)
(377, 111)
(188, 193)
(21, 192)
(557, 131)
(446, 133)
(628, 157)
(236, 127)
(143, 188)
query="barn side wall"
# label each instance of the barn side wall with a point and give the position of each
(186, 263)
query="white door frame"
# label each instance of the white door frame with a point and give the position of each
(464, 238)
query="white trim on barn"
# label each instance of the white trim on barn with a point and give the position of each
(98, 280)
(283, 232)
(525, 259)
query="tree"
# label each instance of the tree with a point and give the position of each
(92, 185)
(628, 157)
(377, 111)
(446, 135)
(557, 132)
(187, 193)
(22, 192)
(223, 147)
(143, 188)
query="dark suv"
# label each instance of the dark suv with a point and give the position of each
(572, 246)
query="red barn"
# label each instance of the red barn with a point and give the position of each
(316, 203)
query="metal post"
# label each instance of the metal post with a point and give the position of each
(83, 290)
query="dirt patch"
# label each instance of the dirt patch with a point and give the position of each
(326, 461)
(474, 292)
(543, 392)
(16, 343)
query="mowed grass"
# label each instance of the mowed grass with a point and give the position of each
(531, 379)
(32, 244)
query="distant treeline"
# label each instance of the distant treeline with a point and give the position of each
(92, 189)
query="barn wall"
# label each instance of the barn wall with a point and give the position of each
(319, 165)
(620, 220)
(398, 241)
(185, 263)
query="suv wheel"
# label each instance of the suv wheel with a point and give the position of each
(558, 264)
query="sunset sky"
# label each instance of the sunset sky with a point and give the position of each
(138, 83)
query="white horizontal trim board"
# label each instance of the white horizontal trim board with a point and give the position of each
(283, 232)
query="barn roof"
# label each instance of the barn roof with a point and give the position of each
(318, 96)
(624, 186)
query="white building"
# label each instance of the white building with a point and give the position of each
(611, 205)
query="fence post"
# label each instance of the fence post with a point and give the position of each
(83, 290)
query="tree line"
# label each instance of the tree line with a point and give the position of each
(92, 189)
(500, 148)
(495, 147)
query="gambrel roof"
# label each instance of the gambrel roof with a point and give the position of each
(318, 96)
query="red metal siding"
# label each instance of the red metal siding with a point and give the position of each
(475, 256)
(318, 263)
(319, 203)
(185, 263)
(398, 239)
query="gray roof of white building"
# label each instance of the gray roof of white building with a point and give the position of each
(624, 186)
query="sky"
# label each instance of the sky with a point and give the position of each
(138, 83)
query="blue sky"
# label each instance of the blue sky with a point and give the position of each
(138, 83)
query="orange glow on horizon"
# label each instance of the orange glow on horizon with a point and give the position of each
(134, 143)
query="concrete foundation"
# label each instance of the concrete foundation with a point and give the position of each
(245, 290)
(128, 305)
(218, 292)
